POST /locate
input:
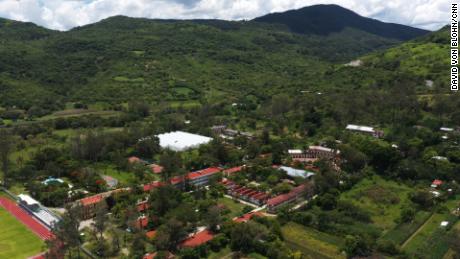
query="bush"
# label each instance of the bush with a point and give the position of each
(247, 209)
(387, 246)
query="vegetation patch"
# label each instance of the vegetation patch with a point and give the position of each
(404, 230)
(383, 199)
(128, 80)
(432, 240)
(312, 243)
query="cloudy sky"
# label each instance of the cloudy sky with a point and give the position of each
(66, 14)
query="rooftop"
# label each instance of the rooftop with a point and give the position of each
(246, 217)
(360, 128)
(287, 196)
(151, 234)
(180, 141)
(234, 169)
(198, 239)
(27, 199)
(150, 186)
(91, 200)
(156, 169)
(296, 172)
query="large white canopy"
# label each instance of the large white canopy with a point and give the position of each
(180, 141)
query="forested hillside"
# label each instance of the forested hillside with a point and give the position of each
(121, 59)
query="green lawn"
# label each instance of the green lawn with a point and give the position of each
(381, 198)
(221, 254)
(16, 241)
(312, 243)
(235, 208)
(123, 177)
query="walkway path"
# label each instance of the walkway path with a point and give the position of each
(416, 232)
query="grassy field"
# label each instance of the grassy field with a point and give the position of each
(403, 231)
(78, 112)
(312, 243)
(184, 104)
(16, 241)
(124, 178)
(235, 208)
(383, 199)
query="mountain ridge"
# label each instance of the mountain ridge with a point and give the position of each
(326, 19)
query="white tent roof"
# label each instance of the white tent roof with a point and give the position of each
(27, 199)
(296, 172)
(446, 129)
(360, 128)
(179, 140)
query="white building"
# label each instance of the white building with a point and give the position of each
(365, 129)
(445, 129)
(296, 172)
(180, 141)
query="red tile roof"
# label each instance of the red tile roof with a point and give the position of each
(156, 169)
(204, 172)
(176, 180)
(151, 234)
(142, 206)
(233, 170)
(150, 186)
(198, 239)
(287, 196)
(91, 200)
(246, 217)
(142, 222)
(134, 159)
(437, 182)
(197, 174)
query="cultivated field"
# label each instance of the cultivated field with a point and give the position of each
(16, 241)
(431, 240)
(312, 243)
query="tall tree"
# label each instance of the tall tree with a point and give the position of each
(171, 163)
(66, 234)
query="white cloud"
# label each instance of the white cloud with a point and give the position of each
(66, 14)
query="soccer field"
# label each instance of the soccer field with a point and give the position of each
(16, 241)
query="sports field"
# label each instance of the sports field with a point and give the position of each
(16, 241)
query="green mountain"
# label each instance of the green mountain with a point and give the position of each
(327, 19)
(169, 61)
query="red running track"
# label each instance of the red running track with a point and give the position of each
(28, 220)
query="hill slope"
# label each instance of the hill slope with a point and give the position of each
(121, 59)
(327, 19)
